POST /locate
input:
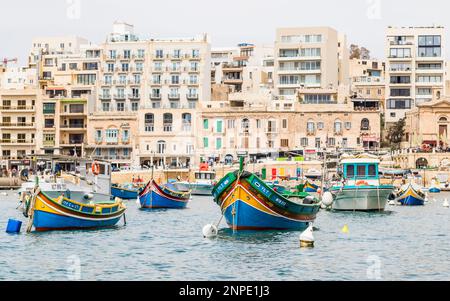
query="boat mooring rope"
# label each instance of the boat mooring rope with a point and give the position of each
(36, 191)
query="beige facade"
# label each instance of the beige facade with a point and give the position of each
(262, 130)
(415, 68)
(18, 131)
(429, 123)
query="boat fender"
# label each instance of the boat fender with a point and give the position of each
(327, 199)
(210, 231)
(88, 196)
(309, 200)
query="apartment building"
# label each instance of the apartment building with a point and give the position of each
(414, 68)
(157, 86)
(18, 126)
(310, 57)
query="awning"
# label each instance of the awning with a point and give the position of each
(56, 88)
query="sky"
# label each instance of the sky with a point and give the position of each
(228, 22)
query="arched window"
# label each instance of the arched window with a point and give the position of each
(168, 122)
(338, 127)
(187, 121)
(149, 122)
(365, 124)
(311, 127)
(161, 147)
(421, 163)
(245, 125)
(443, 119)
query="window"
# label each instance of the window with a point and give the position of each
(187, 121)
(285, 123)
(230, 124)
(399, 104)
(218, 143)
(400, 80)
(429, 46)
(400, 52)
(49, 123)
(106, 106)
(98, 136)
(310, 127)
(348, 125)
(350, 171)
(365, 124)
(400, 92)
(149, 122)
(205, 142)
(338, 127)
(205, 124)
(120, 106)
(304, 142)
(219, 124)
(168, 121)
(318, 99)
(125, 136)
(245, 125)
(161, 147)
(86, 79)
(372, 169)
(112, 135)
(320, 125)
(134, 106)
(331, 141)
(361, 171)
(284, 142)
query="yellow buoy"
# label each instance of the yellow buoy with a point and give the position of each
(345, 229)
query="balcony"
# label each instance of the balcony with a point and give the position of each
(119, 96)
(174, 96)
(17, 125)
(105, 97)
(49, 143)
(73, 127)
(17, 141)
(72, 142)
(311, 132)
(192, 96)
(149, 127)
(167, 127)
(338, 132)
(155, 96)
(17, 108)
(134, 96)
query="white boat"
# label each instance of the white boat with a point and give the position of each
(360, 189)
(203, 184)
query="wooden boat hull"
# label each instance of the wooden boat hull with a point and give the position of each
(64, 214)
(125, 194)
(411, 197)
(434, 190)
(157, 197)
(248, 203)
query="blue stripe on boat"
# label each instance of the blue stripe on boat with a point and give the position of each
(54, 221)
(153, 200)
(248, 217)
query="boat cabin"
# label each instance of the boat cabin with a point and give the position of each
(361, 171)
(205, 175)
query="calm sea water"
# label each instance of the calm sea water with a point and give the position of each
(405, 243)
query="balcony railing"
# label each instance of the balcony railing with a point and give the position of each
(167, 127)
(134, 96)
(105, 97)
(155, 96)
(119, 97)
(49, 143)
(150, 127)
(17, 141)
(174, 96)
(17, 124)
(17, 108)
(73, 126)
(192, 96)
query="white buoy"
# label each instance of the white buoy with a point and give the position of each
(426, 197)
(327, 199)
(446, 204)
(138, 202)
(307, 238)
(322, 206)
(210, 231)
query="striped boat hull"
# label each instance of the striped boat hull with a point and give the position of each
(411, 197)
(124, 194)
(64, 214)
(155, 197)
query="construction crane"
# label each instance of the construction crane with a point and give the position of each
(5, 61)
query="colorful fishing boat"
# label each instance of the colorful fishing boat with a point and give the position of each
(360, 189)
(48, 213)
(125, 192)
(248, 203)
(411, 195)
(310, 187)
(154, 196)
(435, 186)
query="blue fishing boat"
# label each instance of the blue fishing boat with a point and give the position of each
(411, 195)
(47, 213)
(248, 203)
(125, 192)
(435, 186)
(154, 196)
